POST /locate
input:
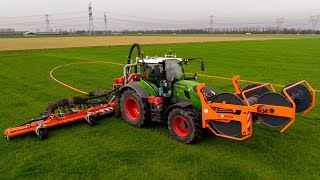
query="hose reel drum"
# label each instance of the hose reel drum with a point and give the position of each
(299, 94)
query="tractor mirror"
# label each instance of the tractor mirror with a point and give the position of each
(202, 65)
(185, 61)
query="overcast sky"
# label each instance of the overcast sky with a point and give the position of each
(225, 11)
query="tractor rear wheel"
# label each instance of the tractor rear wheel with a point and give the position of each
(185, 125)
(134, 109)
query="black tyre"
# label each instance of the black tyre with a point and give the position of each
(185, 125)
(135, 110)
(42, 133)
(91, 120)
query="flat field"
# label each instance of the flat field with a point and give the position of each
(113, 149)
(67, 42)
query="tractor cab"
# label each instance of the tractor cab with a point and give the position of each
(160, 76)
(161, 71)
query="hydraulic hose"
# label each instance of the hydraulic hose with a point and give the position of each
(127, 67)
(66, 103)
(105, 94)
(131, 50)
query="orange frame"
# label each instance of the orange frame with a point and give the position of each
(291, 101)
(245, 117)
(54, 120)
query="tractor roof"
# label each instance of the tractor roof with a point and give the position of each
(156, 60)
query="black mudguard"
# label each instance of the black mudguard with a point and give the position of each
(181, 104)
(141, 92)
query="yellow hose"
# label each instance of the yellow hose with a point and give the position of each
(119, 64)
(73, 88)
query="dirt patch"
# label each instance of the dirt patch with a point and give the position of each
(67, 42)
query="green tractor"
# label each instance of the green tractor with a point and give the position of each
(162, 93)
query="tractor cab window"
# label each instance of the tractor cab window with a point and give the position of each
(149, 74)
(174, 70)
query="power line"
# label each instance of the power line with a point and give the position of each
(105, 22)
(279, 22)
(91, 29)
(157, 19)
(37, 15)
(108, 22)
(211, 24)
(314, 20)
(47, 23)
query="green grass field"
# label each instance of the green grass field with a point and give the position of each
(113, 149)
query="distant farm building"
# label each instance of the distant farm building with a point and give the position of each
(12, 33)
(29, 33)
(48, 33)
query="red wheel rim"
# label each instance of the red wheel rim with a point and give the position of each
(132, 109)
(180, 126)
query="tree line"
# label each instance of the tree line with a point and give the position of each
(236, 30)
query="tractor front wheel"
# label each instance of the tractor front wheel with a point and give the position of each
(185, 125)
(134, 109)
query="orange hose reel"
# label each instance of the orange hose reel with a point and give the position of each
(224, 113)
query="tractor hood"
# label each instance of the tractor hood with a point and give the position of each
(186, 84)
(187, 90)
(184, 90)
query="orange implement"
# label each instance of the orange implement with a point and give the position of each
(55, 120)
(224, 114)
